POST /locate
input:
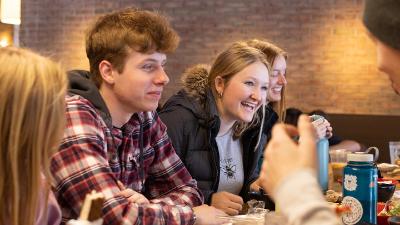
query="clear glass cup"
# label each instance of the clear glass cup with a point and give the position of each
(338, 160)
(394, 150)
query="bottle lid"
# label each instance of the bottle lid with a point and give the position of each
(360, 157)
(315, 117)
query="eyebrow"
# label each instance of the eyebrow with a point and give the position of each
(255, 79)
(154, 60)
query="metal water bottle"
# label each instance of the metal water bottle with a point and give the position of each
(323, 162)
(323, 158)
(360, 182)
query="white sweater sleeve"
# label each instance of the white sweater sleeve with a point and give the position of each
(300, 199)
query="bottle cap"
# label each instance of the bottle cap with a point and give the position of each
(360, 157)
(315, 117)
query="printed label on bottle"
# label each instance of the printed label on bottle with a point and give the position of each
(355, 213)
(350, 182)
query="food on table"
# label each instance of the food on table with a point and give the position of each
(333, 196)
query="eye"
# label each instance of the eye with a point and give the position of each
(275, 73)
(148, 67)
(249, 83)
(264, 88)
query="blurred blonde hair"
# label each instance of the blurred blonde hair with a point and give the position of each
(31, 124)
(271, 52)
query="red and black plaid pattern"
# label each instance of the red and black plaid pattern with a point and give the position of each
(90, 158)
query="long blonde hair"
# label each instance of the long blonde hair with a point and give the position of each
(271, 52)
(228, 63)
(31, 124)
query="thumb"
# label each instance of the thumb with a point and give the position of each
(120, 185)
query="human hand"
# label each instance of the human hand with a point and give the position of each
(227, 202)
(256, 185)
(323, 128)
(283, 156)
(132, 196)
(208, 215)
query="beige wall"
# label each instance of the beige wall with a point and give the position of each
(331, 60)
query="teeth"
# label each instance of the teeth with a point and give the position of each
(277, 89)
(251, 106)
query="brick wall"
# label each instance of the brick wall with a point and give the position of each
(331, 60)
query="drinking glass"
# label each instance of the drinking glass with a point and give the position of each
(338, 160)
(394, 149)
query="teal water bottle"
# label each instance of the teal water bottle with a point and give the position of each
(360, 180)
(323, 162)
(323, 158)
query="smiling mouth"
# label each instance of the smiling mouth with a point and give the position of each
(250, 106)
(155, 92)
(277, 89)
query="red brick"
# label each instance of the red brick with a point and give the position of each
(331, 60)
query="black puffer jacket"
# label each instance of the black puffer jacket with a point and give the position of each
(192, 120)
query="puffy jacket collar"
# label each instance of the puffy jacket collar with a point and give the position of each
(196, 97)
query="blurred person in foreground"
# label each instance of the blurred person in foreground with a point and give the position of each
(31, 125)
(293, 184)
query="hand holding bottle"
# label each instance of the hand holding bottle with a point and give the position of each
(322, 126)
(283, 156)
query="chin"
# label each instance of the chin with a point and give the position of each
(247, 119)
(274, 98)
(148, 108)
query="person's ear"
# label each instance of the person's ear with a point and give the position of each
(106, 71)
(219, 85)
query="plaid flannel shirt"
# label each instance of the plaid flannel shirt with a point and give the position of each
(90, 158)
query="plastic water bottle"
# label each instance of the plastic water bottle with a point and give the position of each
(323, 158)
(360, 182)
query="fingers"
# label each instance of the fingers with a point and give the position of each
(235, 198)
(134, 197)
(209, 215)
(282, 132)
(228, 202)
(219, 212)
(127, 192)
(255, 186)
(329, 132)
(234, 205)
(323, 128)
(138, 198)
(307, 144)
(120, 185)
(306, 129)
(232, 212)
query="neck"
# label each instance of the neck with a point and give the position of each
(225, 126)
(118, 114)
(226, 123)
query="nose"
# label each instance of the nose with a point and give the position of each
(282, 79)
(256, 95)
(162, 77)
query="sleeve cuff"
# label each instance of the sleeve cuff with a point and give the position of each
(299, 194)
